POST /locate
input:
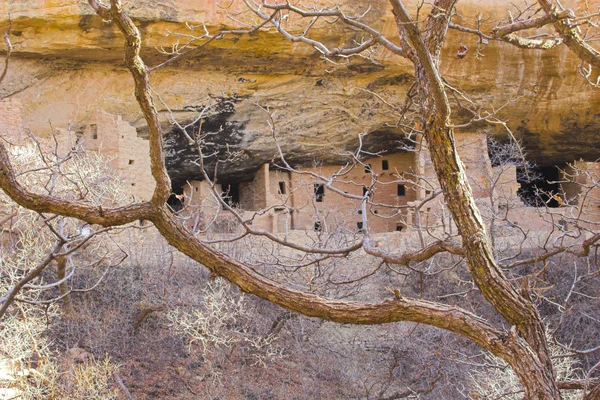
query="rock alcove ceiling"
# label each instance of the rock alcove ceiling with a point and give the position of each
(67, 64)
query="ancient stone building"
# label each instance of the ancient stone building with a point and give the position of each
(128, 153)
(299, 200)
(580, 182)
(11, 122)
(401, 187)
(330, 197)
(105, 133)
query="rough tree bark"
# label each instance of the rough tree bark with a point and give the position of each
(538, 377)
(61, 268)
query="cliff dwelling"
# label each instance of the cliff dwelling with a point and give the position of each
(394, 184)
(308, 198)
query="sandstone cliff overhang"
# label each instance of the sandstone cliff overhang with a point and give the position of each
(67, 65)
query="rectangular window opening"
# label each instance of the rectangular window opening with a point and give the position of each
(399, 227)
(131, 162)
(401, 190)
(368, 168)
(359, 226)
(365, 190)
(385, 165)
(94, 129)
(196, 189)
(281, 189)
(319, 190)
(318, 226)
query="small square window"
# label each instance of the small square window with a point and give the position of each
(318, 226)
(281, 189)
(427, 192)
(359, 226)
(399, 227)
(401, 190)
(368, 168)
(359, 212)
(133, 184)
(385, 165)
(131, 162)
(196, 189)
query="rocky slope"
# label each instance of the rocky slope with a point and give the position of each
(67, 64)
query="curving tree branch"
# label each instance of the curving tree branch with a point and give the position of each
(143, 94)
(400, 309)
(487, 275)
(9, 49)
(76, 209)
(569, 34)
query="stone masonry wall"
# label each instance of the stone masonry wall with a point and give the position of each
(128, 153)
(580, 182)
(11, 121)
(336, 210)
(390, 180)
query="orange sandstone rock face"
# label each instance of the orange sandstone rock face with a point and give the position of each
(66, 67)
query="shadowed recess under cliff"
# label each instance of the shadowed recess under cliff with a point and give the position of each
(225, 146)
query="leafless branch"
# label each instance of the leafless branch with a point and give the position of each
(9, 50)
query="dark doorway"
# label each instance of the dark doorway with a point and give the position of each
(318, 226)
(540, 187)
(359, 227)
(231, 194)
(319, 190)
(175, 202)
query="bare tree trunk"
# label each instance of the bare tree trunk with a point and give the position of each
(535, 370)
(61, 266)
(594, 393)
